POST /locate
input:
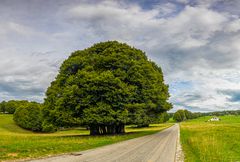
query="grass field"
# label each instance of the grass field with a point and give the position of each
(211, 141)
(17, 143)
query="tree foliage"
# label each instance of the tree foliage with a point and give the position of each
(9, 107)
(164, 117)
(182, 115)
(29, 116)
(2, 107)
(105, 87)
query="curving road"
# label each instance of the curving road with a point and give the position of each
(159, 147)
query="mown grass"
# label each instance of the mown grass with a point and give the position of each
(17, 143)
(211, 141)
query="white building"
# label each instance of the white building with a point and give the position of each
(214, 119)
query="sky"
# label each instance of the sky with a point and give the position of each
(195, 42)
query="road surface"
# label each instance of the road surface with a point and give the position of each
(159, 147)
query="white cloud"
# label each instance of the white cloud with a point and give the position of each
(194, 26)
(16, 28)
(183, 1)
(165, 9)
(233, 26)
(208, 86)
(190, 28)
(26, 76)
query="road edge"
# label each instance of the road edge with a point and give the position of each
(179, 157)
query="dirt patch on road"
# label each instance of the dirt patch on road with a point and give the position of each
(12, 154)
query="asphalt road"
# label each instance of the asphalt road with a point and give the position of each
(159, 147)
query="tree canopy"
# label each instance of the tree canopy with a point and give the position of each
(105, 87)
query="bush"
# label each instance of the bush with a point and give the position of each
(47, 127)
(29, 116)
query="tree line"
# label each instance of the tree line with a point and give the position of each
(9, 107)
(182, 115)
(221, 113)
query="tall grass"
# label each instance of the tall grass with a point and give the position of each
(211, 141)
(17, 143)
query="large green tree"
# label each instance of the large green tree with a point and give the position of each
(105, 87)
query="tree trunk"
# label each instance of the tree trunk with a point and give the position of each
(107, 129)
(120, 129)
(94, 130)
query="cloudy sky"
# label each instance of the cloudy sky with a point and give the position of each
(196, 42)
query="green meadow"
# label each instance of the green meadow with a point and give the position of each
(211, 141)
(17, 143)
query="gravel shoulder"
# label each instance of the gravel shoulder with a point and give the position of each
(159, 147)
